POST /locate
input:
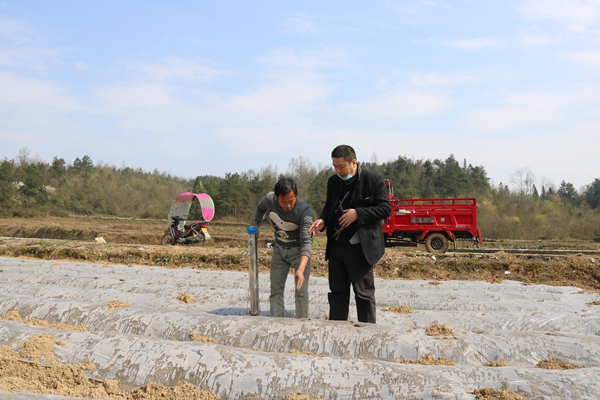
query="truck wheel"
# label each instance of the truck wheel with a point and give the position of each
(436, 243)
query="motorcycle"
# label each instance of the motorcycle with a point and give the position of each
(194, 234)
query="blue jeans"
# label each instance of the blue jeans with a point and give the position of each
(284, 258)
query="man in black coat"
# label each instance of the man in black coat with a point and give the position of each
(357, 202)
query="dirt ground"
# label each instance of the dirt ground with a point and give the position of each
(135, 242)
(34, 369)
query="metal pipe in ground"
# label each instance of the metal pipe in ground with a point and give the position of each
(253, 270)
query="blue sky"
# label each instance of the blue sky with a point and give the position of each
(205, 87)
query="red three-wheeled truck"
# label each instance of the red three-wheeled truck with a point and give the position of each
(434, 222)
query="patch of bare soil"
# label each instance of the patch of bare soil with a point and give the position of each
(564, 270)
(400, 309)
(552, 363)
(185, 298)
(194, 337)
(34, 369)
(497, 363)
(300, 396)
(136, 242)
(305, 353)
(15, 316)
(496, 394)
(429, 359)
(440, 331)
(112, 230)
(117, 304)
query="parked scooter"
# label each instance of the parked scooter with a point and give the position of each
(194, 234)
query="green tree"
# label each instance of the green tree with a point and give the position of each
(84, 164)
(452, 180)
(232, 198)
(33, 183)
(317, 191)
(404, 176)
(7, 185)
(592, 194)
(478, 180)
(58, 167)
(427, 180)
(567, 192)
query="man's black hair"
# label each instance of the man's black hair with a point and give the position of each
(345, 151)
(284, 186)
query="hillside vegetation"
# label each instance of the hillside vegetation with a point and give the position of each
(33, 188)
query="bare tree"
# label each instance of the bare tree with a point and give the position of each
(303, 172)
(23, 157)
(374, 159)
(269, 173)
(524, 181)
(548, 186)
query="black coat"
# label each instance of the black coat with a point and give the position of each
(372, 207)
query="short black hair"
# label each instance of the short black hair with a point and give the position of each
(284, 186)
(345, 151)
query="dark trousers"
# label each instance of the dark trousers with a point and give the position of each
(348, 266)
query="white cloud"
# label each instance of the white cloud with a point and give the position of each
(38, 114)
(441, 80)
(502, 119)
(284, 97)
(123, 99)
(18, 50)
(474, 44)
(272, 114)
(520, 110)
(32, 57)
(398, 105)
(14, 30)
(81, 66)
(19, 93)
(554, 154)
(415, 8)
(310, 60)
(543, 100)
(302, 23)
(176, 68)
(148, 110)
(537, 40)
(163, 110)
(576, 14)
(590, 58)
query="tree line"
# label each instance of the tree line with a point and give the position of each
(31, 187)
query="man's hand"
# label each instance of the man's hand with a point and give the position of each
(348, 217)
(299, 274)
(299, 278)
(316, 227)
(257, 232)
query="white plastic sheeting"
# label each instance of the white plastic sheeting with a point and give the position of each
(271, 357)
(4, 395)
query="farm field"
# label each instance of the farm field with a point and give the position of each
(141, 319)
